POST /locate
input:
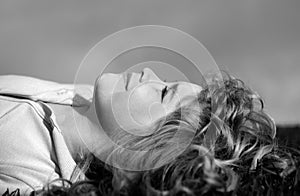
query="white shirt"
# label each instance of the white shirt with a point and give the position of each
(33, 151)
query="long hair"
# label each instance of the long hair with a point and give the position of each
(225, 146)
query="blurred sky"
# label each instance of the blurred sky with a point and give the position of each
(256, 40)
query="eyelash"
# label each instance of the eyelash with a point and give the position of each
(163, 92)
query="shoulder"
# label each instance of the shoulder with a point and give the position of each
(47, 91)
(27, 158)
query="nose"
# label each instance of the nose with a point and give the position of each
(148, 74)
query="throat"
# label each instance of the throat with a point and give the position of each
(68, 120)
(81, 131)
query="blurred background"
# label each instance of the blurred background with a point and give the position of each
(257, 41)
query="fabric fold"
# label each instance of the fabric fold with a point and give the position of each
(24, 100)
(46, 91)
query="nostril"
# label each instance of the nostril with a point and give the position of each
(147, 70)
(147, 73)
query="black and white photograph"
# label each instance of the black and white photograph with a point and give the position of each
(150, 98)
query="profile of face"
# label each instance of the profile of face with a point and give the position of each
(134, 101)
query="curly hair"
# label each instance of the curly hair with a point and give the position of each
(227, 146)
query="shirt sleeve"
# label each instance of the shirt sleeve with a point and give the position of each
(47, 91)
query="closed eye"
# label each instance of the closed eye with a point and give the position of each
(164, 92)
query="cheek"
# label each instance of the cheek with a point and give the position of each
(133, 110)
(140, 100)
(144, 95)
(145, 106)
(137, 109)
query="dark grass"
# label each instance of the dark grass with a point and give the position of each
(289, 135)
(255, 183)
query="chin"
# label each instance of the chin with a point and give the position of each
(105, 82)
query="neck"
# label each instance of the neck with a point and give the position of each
(91, 133)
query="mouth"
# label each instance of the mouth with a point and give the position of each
(126, 77)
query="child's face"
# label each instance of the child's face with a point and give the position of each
(135, 101)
